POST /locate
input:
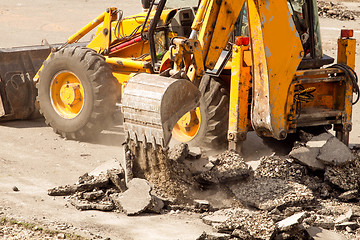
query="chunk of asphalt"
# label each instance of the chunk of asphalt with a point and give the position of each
(194, 153)
(323, 234)
(335, 152)
(270, 193)
(291, 221)
(136, 198)
(349, 195)
(319, 140)
(307, 156)
(345, 217)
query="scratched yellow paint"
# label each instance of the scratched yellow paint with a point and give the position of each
(282, 48)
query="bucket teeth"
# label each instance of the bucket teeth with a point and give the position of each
(153, 104)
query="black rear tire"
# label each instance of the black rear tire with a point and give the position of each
(100, 90)
(214, 111)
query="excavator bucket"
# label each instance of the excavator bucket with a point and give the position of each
(153, 104)
(18, 66)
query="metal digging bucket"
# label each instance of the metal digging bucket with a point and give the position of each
(18, 66)
(152, 105)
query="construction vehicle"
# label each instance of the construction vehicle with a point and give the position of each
(78, 84)
(278, 81)
(170, 67)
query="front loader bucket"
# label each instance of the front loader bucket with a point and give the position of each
(18, 66)
(153, 104)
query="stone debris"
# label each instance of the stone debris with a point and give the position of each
(336, 10)
(346, 177)
(344, 225)
(277, 167)
(284, 198)
(291, 222)
(307, 156)
(345, 217)
(253, 224)
(194, 153)
(270, 193)
(317, 233)
(334, 152)
(202, 205)
(107, 191)
(230, 167)
(136, 198)
(179, 152)
(214, 236)
(319, 141)
(349, 195)
(216, 218)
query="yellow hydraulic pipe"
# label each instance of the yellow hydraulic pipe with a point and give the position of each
(90, 26)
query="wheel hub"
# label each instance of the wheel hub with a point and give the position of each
(70, 93)
(67, 94)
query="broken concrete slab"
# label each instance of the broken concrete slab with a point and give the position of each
(83, 206)
(217, 217)
(256, 224)
(319, 141)
(344, 225)
(202, 205)
(307, 156)
(345, 217)
(278, 167)
(290, 222)
(136, 198)
(269, 193)
(117, 177)
(231, 167)
(214, 236)
(335, 152)
(90, 196)
(156, 205)
(88, 184)
(322, 234)
(194, 153)
(179, 152)
(349, 195)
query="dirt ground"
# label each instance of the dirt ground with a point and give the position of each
(34, 159)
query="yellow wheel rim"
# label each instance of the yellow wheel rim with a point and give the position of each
(67, 94)
(188, 126)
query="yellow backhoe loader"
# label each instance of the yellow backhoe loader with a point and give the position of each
(78, 84)
(278, 83)
(204, 73)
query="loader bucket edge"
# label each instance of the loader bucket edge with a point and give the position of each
(153, 104)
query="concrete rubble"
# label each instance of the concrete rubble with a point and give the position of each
(229, 167)
(289, 197)
(336, 10)
(105, 189)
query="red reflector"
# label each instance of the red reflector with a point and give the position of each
(242, 41)
(347, 33)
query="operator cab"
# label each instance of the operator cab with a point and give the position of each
(305, 16)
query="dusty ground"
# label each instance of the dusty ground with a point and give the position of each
(34, 159)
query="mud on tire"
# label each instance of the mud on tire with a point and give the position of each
(99, 87)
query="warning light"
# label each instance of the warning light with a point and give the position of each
(347, 33)
(242, 41)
